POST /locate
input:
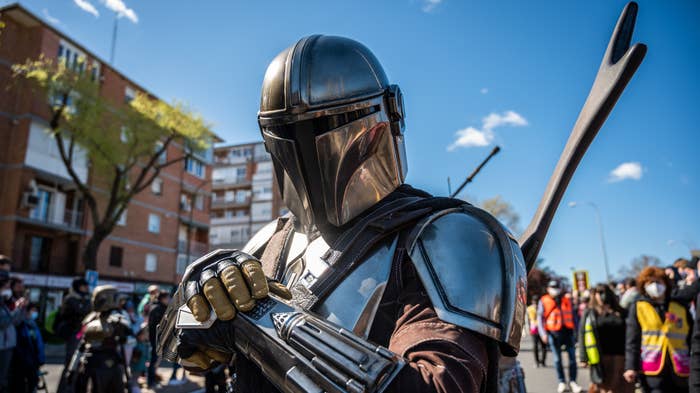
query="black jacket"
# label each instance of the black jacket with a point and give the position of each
(154, 317)
(74, 309)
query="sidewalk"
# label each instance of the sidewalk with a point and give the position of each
(54, 367)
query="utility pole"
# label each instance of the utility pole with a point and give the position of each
(600, 232)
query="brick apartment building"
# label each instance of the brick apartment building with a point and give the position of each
(43, 223)
(245, 195)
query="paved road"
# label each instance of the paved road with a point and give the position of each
(544, 379)
(193, 385)
(537, 380)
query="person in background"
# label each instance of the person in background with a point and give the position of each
(630, 295)
(17, 287)
(140, 354)
(75, 307)
(620, 287)
(556, 326)
(155, 315)
(582, 303)
(10, 315)
(540, 349)
(657, 349)
(148, 298)
(602, 342)
(28, 355)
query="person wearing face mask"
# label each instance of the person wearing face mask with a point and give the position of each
(74, 308)
(556, 325)
(10, 315)
(28, 355)
(602, 341)
(657, 349)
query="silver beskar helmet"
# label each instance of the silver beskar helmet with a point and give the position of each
(334, 128)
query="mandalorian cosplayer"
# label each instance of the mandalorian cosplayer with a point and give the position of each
(98, 363)
(436, 281)
(369, 285)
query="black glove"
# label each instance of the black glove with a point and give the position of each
(225, 283)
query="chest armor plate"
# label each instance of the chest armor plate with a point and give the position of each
(353, 303)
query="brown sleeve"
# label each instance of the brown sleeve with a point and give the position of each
(442, 357)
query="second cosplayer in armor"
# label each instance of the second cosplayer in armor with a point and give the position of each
(377, 285)
(98, 363)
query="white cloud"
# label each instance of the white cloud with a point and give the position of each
(49, 18)
(474, 137)
(626, 170)
(87, 7)
(483, 90)
(121, 9)
(430, 5)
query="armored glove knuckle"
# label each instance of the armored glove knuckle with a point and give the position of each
(227, 285)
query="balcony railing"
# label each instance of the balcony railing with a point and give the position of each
(197, 249)
(219, 183)
(230, 220)
(218, 203)
(71, 218)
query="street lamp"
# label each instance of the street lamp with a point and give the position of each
(600, 230)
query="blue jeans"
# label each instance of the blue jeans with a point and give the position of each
(563, 338)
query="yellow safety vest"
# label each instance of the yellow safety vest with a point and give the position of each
(590, 342)
(662, 337)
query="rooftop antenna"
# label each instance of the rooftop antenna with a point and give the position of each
(114, 39)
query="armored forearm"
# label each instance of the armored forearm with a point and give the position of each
(299, 352)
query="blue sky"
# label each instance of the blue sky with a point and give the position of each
(511, 73)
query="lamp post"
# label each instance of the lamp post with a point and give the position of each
(600, 230)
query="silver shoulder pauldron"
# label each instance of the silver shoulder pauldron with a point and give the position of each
(473, 272)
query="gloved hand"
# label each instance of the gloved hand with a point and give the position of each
(225, 283)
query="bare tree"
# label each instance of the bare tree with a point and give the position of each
(637, 265)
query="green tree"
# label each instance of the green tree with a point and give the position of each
(503, 211)
(123, 144)
(637, 265)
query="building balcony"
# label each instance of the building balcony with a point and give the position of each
(197, 249)
(222, 203)
(230, 220)
(70, 220)
(234, 182)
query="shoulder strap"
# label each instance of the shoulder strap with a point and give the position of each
(275, 253)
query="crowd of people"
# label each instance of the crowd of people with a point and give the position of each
(641, 332)
(129, 352)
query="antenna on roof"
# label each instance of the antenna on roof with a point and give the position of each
(114, 39)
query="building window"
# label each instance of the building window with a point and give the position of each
(95, 71)
(124, 134)
(151, 262)
(157, 186)
(241, 196)
(122, 219)
(73, 58)
(39, 252)
(185, 202)
(129, 94)
(43, 208)
(162, 159)
(194, 166)
(153, 223)
(199, 202)
(115, 256)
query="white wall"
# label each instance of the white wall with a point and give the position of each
(43, 154)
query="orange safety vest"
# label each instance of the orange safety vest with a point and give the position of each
(555, 317)
(660, 338)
